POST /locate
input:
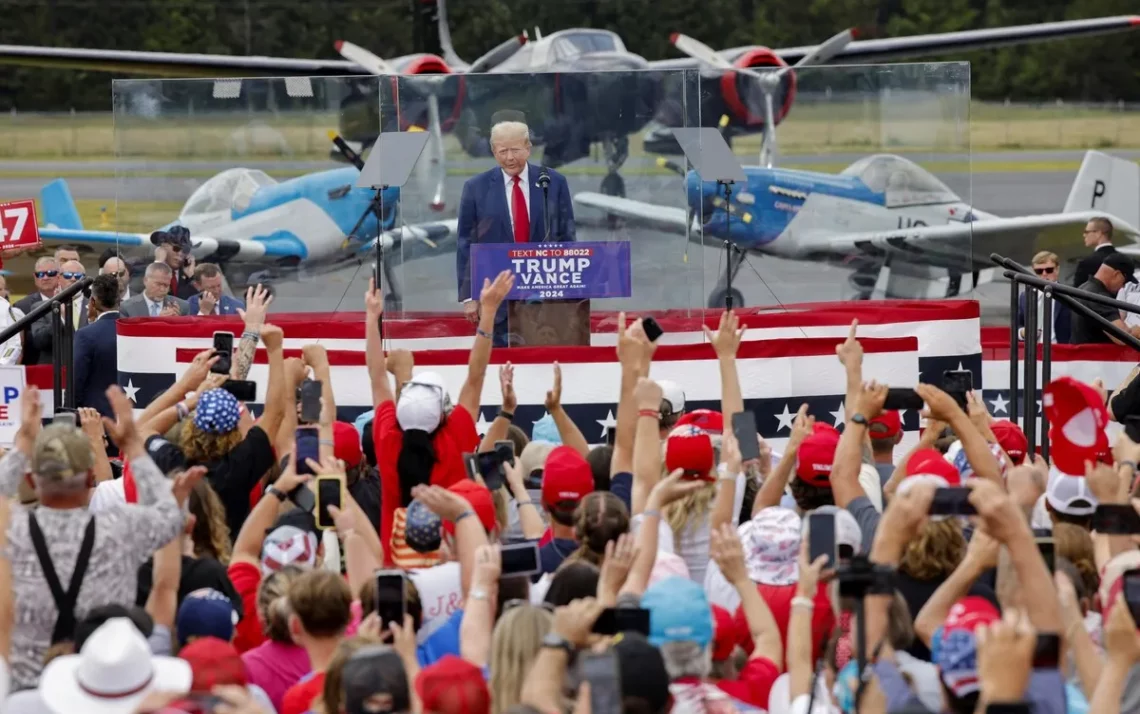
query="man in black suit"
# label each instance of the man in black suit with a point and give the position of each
(1047, 267)
(47, 285)
(1114, 273)
(96, 355)
(1098, 236)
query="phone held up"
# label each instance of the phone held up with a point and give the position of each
(330, 492)
(391, 597)
(311, 401)
(224, 350)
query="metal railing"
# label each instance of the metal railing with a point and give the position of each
(1071, 298)
(62, 309)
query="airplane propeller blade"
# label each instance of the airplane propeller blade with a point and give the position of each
(768, 148)
(346, 151)
(827, 49)
(443, 28)
(664, 163)
(498, 55)
(434, 164)
(699, 51)
(364, 58)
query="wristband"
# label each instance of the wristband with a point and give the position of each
(182, 411)
(509, 416)
(325, 442)
(480, 332)
(251, 335)
(804, 602)
(463, 515)
(1129, 464)
(651, 512)
(650, 413)
(527, 502)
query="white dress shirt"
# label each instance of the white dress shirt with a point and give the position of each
(1041, 319)
(524, 186)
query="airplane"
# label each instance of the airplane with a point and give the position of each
(258, 228)
(903, 232)
(578, 87)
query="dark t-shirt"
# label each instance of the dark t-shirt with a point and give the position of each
(197, 573)
(235, 476)
(366, 492)
(1086, 331)
(551, 555)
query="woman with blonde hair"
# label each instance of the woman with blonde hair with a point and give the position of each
(515, 644)
(278, 663)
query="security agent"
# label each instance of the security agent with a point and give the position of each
(1114, 272)
(509, 204)
(1098, 236)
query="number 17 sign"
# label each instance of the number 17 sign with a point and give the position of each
(18, 225)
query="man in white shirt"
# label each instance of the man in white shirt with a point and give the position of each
(1046, 266)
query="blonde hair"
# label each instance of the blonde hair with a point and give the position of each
(204, 448)
(935, 552)
(515, 643)
(1045, 256)
(1075, 545)
(273, 603)
(508, 129)
(211, 534)
(689, 511)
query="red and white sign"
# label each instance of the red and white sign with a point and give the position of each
(18, 225)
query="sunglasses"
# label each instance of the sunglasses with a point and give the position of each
(1045, 271)
(73, 276)
(46, 273)
(176, 247)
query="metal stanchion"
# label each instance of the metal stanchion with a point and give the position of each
(1029, 384)
(57, 356)
(1046, 362)
(1014, 289)
(69, 353)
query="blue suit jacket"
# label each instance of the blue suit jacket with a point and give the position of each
(485, 217)
(1062, 325)
(226, 306)
(96, 363)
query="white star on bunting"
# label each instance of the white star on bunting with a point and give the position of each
(787, 418)
(1001, 404)
(482, 425)
(131, 390)
(840, 415)
(607, 423)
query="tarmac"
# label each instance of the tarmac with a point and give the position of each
(667, 272)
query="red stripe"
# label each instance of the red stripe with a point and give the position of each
(350, 325)
(1063, 353)
(39, 375)
(758, 349)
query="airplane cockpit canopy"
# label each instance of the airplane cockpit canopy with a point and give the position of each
(904, 182)
(230, 190)
(569, 44)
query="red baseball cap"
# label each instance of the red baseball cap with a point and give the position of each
(707, 420)
(1011, 439)
(691, 450)
(453, 686)
(479, 498)
(815, 456)
(889, 425)
(565, 477)
(346, 443)
(213, 662)
(1078, 418)
(724, 634)
(931, 462)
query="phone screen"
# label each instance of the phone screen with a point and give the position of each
(224, 349)
(308, 447)
(505, 450)
(744, 429)
(328, 494)
(520, 559)
(821, 535)
(243, 390)
(652, 329)
(614, 620)
(311, 401)
(491, 469)
(958, 383)
(952, 502)
(902, 398)
(1116, 519)
(1045, 547)
(391, 598)
(601, 671)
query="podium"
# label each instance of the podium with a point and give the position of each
(554, 286)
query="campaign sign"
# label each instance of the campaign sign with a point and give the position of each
(11, 389)
(18, 225)
(555, 271)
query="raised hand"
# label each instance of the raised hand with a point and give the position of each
(850, 353)
(620, 555)
(554, 395)
(272, 336)
(315, 355)
(193, 377)
(870, 399)
(31, 414)
(123, 430)
(647, 394)
(92, 424)
(400, 363)
(257, 301)
(494, 293)
(726, 550)
(507, 386)
(802, 427)
(726, 339)
(939, 404)
(634, 348)
(184, 483)
(373, 299)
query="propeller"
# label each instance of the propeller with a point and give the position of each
(498, 55)
(364, 58)
(768, 81)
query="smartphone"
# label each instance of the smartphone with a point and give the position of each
(1116, 519)
(958, 383)
(311, 401)
(652, 329)
(330, 492)
(1045, 547)
(472, 465)
(744, 429)
(821, 538)
(506, 451)
(224, 349)
(952, 502)
(602, 672)
(1047, 651)
(244, 390)
(391, 597)
(615, 620)
(64, 417)
(490, 466)
(899, 398)
(303, 498)
(308, 447)
(520, 559)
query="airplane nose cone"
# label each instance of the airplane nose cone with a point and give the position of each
(702, 195)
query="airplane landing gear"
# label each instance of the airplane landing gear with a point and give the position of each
(716, 297)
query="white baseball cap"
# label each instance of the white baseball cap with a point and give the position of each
(1070, 495)
(421, 402)
(672, 393)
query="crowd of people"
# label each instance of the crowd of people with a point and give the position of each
(192, 558)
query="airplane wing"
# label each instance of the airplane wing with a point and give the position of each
(666, 217)
(203, 247)
(173, 64)
(897, 48)
(414, 241)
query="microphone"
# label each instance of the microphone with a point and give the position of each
(544, 184)
(543, 179)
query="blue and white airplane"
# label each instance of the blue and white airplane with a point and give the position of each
(248, 222)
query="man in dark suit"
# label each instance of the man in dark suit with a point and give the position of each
(508, 205)
(155, 300)
(173, 247)
(47, 285)
(96, 355)
(210, 300)
(1047, 267)
(1098, 236)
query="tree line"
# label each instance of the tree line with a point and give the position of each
(1094, 69)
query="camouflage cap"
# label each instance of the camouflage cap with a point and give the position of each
(62, 452)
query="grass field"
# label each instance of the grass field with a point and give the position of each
(928, 123)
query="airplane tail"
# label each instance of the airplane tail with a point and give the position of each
(58, 207)
(1106, 183)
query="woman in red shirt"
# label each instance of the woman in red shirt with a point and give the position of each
(421, 438)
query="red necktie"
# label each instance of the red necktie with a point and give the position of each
(518, 211)
(174, 284)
